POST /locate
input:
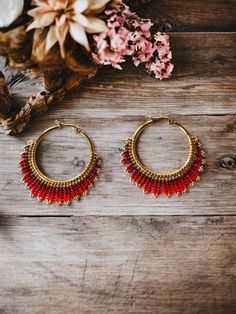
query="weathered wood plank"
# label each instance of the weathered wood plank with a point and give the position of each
(203, 82)
(193, 15)
(149, 264)
(118, 265)
(161, 148)
(113, 105)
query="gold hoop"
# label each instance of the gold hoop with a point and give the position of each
(138, 134)
(138, 170)
(43, 187)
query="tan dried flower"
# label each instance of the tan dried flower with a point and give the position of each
(76, 17)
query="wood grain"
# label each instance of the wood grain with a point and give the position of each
(203, 83)
(119, 251)
(162, 147)
(197, 16)
(118, 265)
(113, 106)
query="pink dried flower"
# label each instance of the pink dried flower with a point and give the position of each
(141, 44)
(129, 35)
(142, 51)
(162, 45)
(117, 18)
(125, 11)
(160, 64)
(160, 69)
(112, 47)
(143, 27)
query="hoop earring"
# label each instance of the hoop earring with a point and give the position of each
(157, 183)
(60, 192)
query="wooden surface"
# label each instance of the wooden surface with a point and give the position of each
(119, 251)
(121, 265)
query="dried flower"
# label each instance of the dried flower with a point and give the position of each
(113, 46)
(141, 41)
(129, 35)
(76, 17)
(10, 11)
(160, 64)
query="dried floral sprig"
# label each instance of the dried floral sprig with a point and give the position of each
(64, 66)
(160, 63)
(129, 35)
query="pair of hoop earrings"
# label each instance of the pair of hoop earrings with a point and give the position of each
(63, 192)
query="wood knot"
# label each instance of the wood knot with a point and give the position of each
(162, 25)
(78, 163)
(228, 162)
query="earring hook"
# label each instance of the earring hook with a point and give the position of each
(60, 124)
(156, 119)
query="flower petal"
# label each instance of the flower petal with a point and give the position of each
(80, 6)
(43, 21)
(37, 12)
(81, 19)
(61, 30)
(78, 34)
(95, 5)
(58, 4)
(39, 2)
(96, 25)
(51, 38)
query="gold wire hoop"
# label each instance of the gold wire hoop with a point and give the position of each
(144, 169)
(55, 191)
(33, 155)
(173, 183)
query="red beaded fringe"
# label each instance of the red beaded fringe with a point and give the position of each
(57, 194)
(170, 186)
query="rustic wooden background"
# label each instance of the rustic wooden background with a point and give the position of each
(119, 251)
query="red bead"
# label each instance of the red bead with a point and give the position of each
(140, 178)
(49, 194)
(135, 175)
(147, 186)
(42, 192)
(130, 168)
(125, 160)
(56, 196)
(171, 187)
(66, 194)
(71, 193)
(183, 185)
(35, 190)
(165, 189)
(176, 186)
(125, 153)
(143, 180)
(156, 190)
(81, 188)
